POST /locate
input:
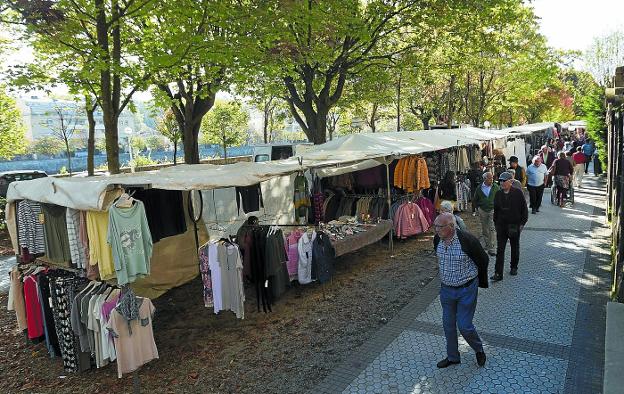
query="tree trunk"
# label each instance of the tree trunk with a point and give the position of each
(224, 150)
(90, 109)
(190, 140)
(112, 142)
(175, 153)
(425, 122)
(398, 127)
(68, 156)
(450, 102)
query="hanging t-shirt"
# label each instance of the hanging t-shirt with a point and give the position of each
(250, 197)
(76, 248)
(136, 349)
(55, 230)
(100, 251)
(131, 242)
(30, 226)
(164, 210)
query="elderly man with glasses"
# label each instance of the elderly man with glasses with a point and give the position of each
(463, 269)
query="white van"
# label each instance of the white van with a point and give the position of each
(267, 152)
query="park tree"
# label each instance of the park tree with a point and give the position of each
(203, 45)
(603, 55)
(316, 47)
(168, 127)
(64, 126)
(12, 140)
(106, 38)
(155, 142)
(48, 145)
(225, 125)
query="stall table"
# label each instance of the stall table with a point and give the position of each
(358, 240)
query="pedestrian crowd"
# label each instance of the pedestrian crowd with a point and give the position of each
(500, 203)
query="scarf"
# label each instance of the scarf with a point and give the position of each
(128, 306)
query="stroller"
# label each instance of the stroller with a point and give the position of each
(567, 198)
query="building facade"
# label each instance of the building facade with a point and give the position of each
(42, 117)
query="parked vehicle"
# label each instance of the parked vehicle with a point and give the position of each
(267, 152)
(18, 175)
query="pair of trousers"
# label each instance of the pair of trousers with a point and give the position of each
(502, 235)
(578, 174)
(588, 160)
(487, 228)
(458, 309)
(535, 196)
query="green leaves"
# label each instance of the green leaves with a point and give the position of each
(12, 140)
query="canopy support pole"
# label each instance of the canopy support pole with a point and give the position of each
(391, 236)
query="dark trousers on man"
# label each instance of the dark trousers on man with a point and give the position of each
(535, 196)
(588, 160)
(458, 309)
(502, 235)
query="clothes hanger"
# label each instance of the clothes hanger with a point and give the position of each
(125, 200)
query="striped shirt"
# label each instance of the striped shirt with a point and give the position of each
(30, 228)
(76, 248)
(456, 268)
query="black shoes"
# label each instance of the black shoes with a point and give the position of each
(446, 362)
(514, 272)
(496, 277)
(492, 253)
(481, 358)
(533, 211)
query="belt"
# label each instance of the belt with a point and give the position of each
(463, 285)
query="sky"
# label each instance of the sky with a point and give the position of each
(572, 24)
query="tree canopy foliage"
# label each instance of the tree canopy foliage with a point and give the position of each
(333, 66)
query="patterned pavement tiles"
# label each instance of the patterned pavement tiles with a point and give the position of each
(408, 366)
(529, 323)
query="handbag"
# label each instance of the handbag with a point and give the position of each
(513, 230)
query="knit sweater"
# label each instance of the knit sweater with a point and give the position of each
(481, 201)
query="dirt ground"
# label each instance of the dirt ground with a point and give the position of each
(309, 332)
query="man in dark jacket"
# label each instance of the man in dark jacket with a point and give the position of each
(510, 216)
(463, 269)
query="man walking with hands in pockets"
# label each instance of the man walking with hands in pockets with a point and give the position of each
(463, 269)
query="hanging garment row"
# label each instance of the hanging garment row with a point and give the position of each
(411, 173)
(88, 324)
(116, 244)
(267, 259)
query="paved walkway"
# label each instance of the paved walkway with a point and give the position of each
(543, 330)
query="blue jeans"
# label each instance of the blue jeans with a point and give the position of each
(458, 308)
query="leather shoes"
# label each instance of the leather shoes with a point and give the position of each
(514, 271)
(533, 211)
(481, 358)
(496, 277)
(446, 362)
(491, 253)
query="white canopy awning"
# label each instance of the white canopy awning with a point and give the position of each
(528, 128)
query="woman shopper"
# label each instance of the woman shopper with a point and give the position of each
(561, 170)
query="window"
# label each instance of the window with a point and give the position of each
(261, 158)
